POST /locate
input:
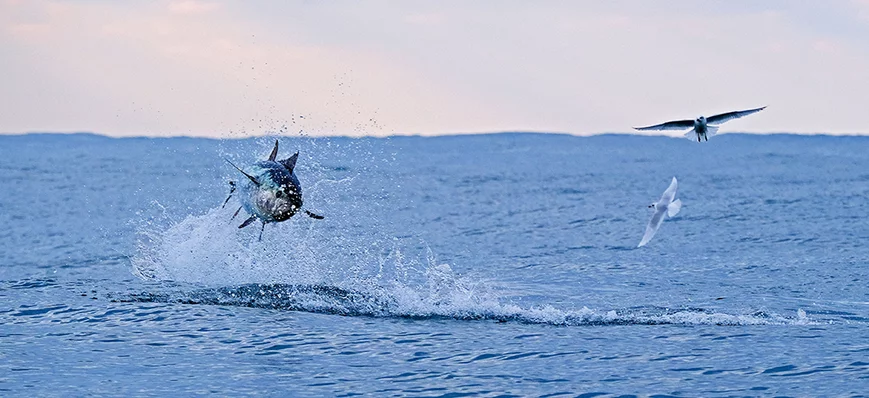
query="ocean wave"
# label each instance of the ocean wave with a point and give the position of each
(366, 277)
(334, 300)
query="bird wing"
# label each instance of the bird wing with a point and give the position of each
(721, 118)
(674, 125)
(654, 223)
(670, 193)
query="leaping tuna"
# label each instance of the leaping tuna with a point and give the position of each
(272, 192)
(702, 127)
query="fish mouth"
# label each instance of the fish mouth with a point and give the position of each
(284, 211)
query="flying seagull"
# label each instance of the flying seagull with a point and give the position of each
(665, 205)
(702, 127)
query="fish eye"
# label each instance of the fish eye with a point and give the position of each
(279, 194)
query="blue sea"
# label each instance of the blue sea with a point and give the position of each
(479, 265)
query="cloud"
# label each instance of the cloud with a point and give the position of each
(828, 46)
(430, 19)
(154, 71)
(28, 29)
(191, 7)
(862, 7)
(202, 68)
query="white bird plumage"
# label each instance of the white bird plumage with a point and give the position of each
(666, 205)
(702, 127)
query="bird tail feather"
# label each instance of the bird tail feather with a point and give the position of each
(674, 208)
(711, 130)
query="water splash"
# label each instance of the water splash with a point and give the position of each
(383, 303)
(218, 264)
(210, 250)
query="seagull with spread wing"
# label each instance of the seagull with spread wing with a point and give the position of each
(702, 127)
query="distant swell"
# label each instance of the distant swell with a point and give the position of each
(339, 301)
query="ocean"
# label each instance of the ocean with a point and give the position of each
(477, 265)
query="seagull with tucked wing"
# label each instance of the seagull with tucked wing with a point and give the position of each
(702, 127)
(666, 205)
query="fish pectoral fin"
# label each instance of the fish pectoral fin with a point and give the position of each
(231, 191)
(247, 222)
(236, 213)
(250, 177)
(314, 216)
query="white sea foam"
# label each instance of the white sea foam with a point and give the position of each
(308, 272)
(210, 250)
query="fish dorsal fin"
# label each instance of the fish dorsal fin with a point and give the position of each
(290, 162)
(274, 153)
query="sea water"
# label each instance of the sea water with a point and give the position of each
(490, 265)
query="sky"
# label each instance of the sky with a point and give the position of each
(378, 68)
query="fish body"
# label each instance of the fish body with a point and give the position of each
(272, 192)
(276, 196)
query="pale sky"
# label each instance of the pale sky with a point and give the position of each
(230, 69)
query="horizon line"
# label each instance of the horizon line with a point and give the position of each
(408, 135)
